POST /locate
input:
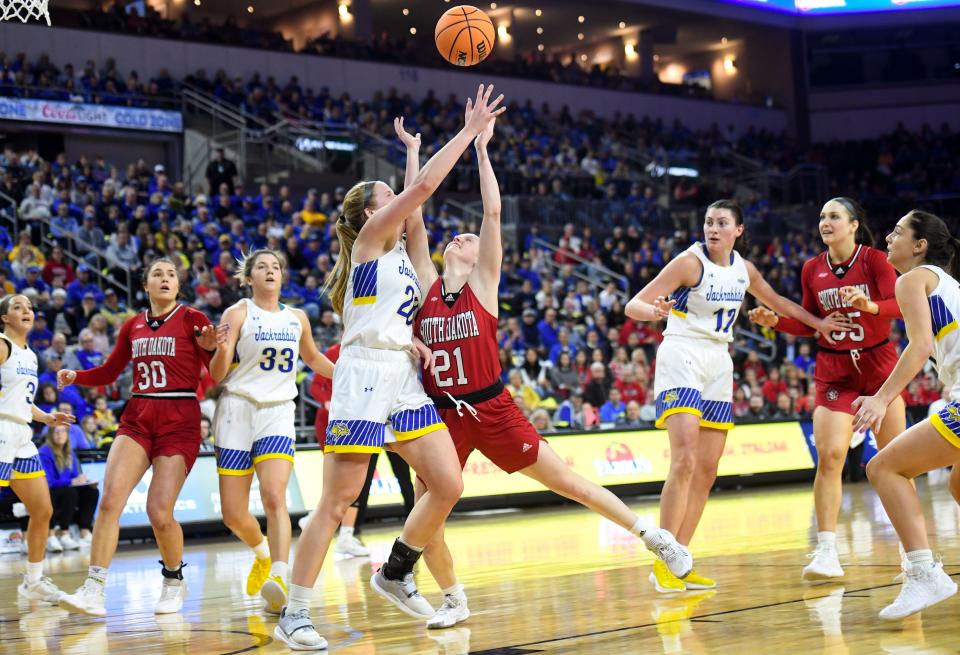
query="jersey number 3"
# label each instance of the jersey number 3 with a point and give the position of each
(442, 365)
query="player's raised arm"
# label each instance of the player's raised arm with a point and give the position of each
(652, 302)
(486, 275)
(378, 229)
(418, 246)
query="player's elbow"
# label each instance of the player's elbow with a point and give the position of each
(923, 345)
(633, 309)
(425, 184)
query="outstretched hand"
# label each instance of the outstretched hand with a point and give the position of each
(662, 307)
(65, 378)
(480, 111)
(409, 140)
(209, 337)
(480, 143)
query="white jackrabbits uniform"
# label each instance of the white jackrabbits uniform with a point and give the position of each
(944, 313)
(377, 394)
(255, 414)
(18, 387)
(694, 372)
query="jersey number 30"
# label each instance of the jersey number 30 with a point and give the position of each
(151, 374)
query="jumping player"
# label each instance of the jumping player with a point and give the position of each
(458, 321)
(254, 421)
(169, 345)
(20, 467)
(377, 395)
(693, 381)
(920, 248)
(855, 280)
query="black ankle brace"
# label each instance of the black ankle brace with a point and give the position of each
(401, 561)
(172, 575)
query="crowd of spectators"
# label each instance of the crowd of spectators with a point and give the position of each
(567, 351)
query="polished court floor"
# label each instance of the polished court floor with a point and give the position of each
(540, 581)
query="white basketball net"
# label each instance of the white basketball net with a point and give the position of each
(24, 10)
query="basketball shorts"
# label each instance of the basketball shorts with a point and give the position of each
(694, 376)
(19, 459)
(245, 433)
(499, 431)
(163, 427)
(841, 377)
(947, 422)
(377, 399)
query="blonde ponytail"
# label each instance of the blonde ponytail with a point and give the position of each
(349, 224)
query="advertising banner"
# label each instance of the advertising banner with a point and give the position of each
(80, 114)
(607, 458)
(199, 499)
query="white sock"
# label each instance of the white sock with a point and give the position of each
(418, 549)
(262, 550)
(642, 526)
(827, 538)
(34, 571)
(453, 590)
(345, 531)
(281, 569)
(903, 553)
(97, 574)
(921, 557)
(299, 598)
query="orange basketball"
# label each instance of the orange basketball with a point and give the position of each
(465, 35)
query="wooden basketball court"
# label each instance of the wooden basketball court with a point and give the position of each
(550, 581)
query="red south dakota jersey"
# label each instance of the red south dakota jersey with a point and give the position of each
(822, 279)
(463, 337)
(167, 360)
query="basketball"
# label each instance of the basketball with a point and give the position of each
(464, 35)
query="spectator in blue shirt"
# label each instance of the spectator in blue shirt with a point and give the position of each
(74, 496)
(803, 360)
(563, 345)
(548, 329)
(40, 337)
(33, 280)
(613, 410)
(83, 285)
(64, 225)
(87, 355)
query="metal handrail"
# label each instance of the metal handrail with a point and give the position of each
(601, 272)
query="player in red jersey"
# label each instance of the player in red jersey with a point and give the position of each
(169, 346)
(458, 322)
(856, 280)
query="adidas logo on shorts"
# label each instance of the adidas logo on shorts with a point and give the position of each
(526, 447)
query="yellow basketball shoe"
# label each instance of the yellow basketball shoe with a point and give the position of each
(664, 581)
(274, 593)
(696, 581)
(258, 575)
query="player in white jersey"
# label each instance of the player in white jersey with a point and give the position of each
(20, 467)
(253, 426)
(377, 395)
(693, 382)
(920, 248)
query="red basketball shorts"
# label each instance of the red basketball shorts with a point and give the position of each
(841, 377)
(499, 431)
(164, 427)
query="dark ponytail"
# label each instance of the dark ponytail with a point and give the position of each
(4, 308)
(857, 213)
(742, 244)
(942, 249)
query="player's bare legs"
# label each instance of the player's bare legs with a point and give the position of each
(126, 464)
(169, 474)
(684, 432)
(434, 458)
(35, 494)
(916, 451)
(235, 508)
(708, 454)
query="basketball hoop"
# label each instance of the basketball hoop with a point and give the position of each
(24, 10)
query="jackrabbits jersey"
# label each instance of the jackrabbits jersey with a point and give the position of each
(267, 353)
(709, 309)
(944, 314)
(381, 302)
(18, 382)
